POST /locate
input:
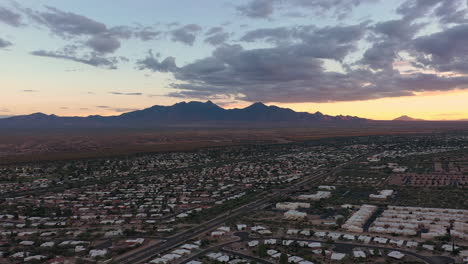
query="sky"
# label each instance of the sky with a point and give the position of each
(376, 59)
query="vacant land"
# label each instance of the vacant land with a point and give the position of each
(26, 146)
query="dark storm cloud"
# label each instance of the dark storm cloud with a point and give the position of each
(444, 51)
(186, 34)
(152, 63)
(9, 17)
(5, 43)
(91, 59)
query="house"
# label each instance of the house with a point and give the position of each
(241, 227)
(217, 233)
(349, 237)
(412, 244)
(189, 246)
(337, 256)
(382, 195)
(291, 206)
(94, 253)
(315, 245)
(294, 215)
(396, 255)
(428, 247)
(381, 240)
(35, 258)
(48, 244)
(26, 243)
(315, 197)
(295, 259)
(449, 247)
(181, 251)
(253, 243)
(271, 241)
(194, 262)
(359, 254)
(224, 229)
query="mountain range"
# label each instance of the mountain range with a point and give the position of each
(182, 114)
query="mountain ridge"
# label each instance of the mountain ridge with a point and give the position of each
(179, 114)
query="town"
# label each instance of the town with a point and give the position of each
(374, 199)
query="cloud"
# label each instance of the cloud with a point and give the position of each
(4, 43)
(116, 109)
(217, 39)
(186, 34)
(4, 110)
(146, 34)
(327, 43)
(288, 75)
(118, 93)
(445, 51)
(257, 8)
(151, 62)
(30, 91)
(271, 35)
(9, 17)
(453, 11)
(103, 43)
(266, 8)
(90, 59)
(447, 11)
(214, 30)
(216, 36)
(87, 32)
(67, 23)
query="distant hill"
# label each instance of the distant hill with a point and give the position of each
(182, 114)
(407, 118)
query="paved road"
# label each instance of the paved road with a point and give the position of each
(263, 200)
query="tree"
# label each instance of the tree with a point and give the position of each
(283, 259)
(262, 251)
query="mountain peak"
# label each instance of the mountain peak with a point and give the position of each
(407, 118)
(258, 105)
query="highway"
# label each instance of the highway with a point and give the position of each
(264, 200)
